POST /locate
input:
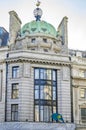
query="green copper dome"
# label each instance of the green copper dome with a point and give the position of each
(34, 27)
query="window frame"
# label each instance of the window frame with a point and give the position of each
(13, 89)
(83, 120)
(15, 72)
(13, 112)
(42, 81)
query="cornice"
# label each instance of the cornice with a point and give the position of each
(36, 60)
(78, 78)
(2, 61)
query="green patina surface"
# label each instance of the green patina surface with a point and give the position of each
(34, 27)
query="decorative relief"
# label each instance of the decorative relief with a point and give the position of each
(75, 72)
(27, 70)
(81, 73)
(66, 73)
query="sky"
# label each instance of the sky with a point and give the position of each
(53, 12)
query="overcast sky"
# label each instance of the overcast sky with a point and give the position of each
(53, 12)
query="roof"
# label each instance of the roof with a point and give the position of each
(34, 27)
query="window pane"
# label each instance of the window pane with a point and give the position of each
(36, 73)
(36, 92)
(54, 109)
(54, 95)
(42, 74)
(83, 115)
(54, 75)
(47, 92)
(36, 113)
(14, 112)
(41, 92)
(41, 113)
(49, 74)
(14, 91)
(47, 113)
(13, 116)
(15, 72)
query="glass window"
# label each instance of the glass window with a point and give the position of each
(15, 72)
(83, 115)
(48, 74)
(54, 109)
(47, 113)
(36, 73)
(14, 112)
(54, 75)
(42, 74)
(45, 93)
(36, 92)
(41, 113)
(14, 91)
(54, 93)
(36, 113)
(41, 92)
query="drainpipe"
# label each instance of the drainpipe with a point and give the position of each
(71, 92)
(6, 88)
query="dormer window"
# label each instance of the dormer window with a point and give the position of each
(45, 40)
(33, 40)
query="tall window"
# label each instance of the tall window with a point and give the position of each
(83, 115)
(14, 91)
(45, 93)
(14, 112)
(15, 72)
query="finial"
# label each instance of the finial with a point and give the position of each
(38, 3)
(38, 11)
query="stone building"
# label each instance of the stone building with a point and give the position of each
(39, 75)
(78, 77)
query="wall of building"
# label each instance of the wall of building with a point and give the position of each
(3, 53)
(26, 83)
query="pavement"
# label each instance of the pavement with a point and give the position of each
(36, 126)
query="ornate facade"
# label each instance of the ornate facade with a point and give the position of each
(39, 75)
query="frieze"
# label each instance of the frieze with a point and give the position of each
(32, 60)
(79, 82)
